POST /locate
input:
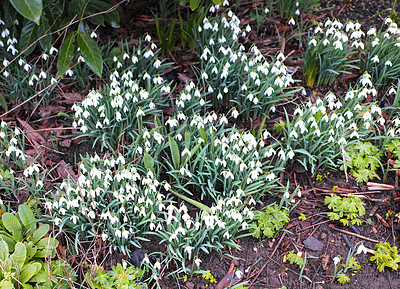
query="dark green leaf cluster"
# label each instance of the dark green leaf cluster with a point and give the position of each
(24, 248)
(386, 256)
(269, 221)
(346, 209)
(365, 159)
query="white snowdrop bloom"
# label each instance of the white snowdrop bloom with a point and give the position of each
(312, 42)
(290, 154)
(354, 134)
(266, 10)
(336, 260)
(338, 45)
(388, 63)
(372, 31)
(375, 59)
(325, 42)
(297, 12)
(147, 38)
(248, 28)
(293, 134)
(291, 22)
(392, 90)
(361, 249)
(342, 141)
(93, 34)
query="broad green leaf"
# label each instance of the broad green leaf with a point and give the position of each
(41, 274)
(6, 285)
(66, 54)
(28, 37)
(29, 271)
(176, 158)
(10, 242)
(12, 225)
(19, 255)
(27, 218)
(203, 134)
(218, 2)
(46, 248)
(148, 161)
(90, 51)
(3, 250)
(194, 4)
(30, 9)
(40, 233)
(31, 250)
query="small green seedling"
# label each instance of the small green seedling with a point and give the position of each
(386, 256)
(346, 209)
(294, 258)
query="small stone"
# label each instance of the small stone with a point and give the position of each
(323, 236)
(313, 243)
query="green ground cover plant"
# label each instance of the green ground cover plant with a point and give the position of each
(345, 209)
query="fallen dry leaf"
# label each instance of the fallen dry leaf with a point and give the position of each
(64, 170)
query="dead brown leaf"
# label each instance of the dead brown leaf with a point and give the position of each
(64, 170)
(48, 110)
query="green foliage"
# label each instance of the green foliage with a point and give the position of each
(329, 53)
(364, 160)
(117, 277)
(394, 148)
(294, 258)
(71, 19)
(24, 251)
(346, 209)
(386, 256)
(269, 221)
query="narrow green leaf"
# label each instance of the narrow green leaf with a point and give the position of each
(30, 9)
(27, 218)
(90, 51)
(66, 54)
(176, 158)
(193, 202)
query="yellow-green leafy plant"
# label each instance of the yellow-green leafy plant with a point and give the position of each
(119, 277)
(270, 221)
(386, 256)
(294, 258)
(364, 160)
(208, 276)
(25, 251)
(346, 209)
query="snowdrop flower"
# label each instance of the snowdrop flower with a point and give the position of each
(375, 59)
(392, 90)
(361, 249)
(93, 35)
(313, 42)
(291, 22)
(336, 260)
(388, 63)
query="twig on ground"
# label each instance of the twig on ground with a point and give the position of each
(353, 234)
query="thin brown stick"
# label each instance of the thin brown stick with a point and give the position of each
(353, 234)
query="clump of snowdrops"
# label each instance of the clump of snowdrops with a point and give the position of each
(320, 131)
(382, 55)
(110, 200)
(229, 74)
(118, 112)
(330, 51)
